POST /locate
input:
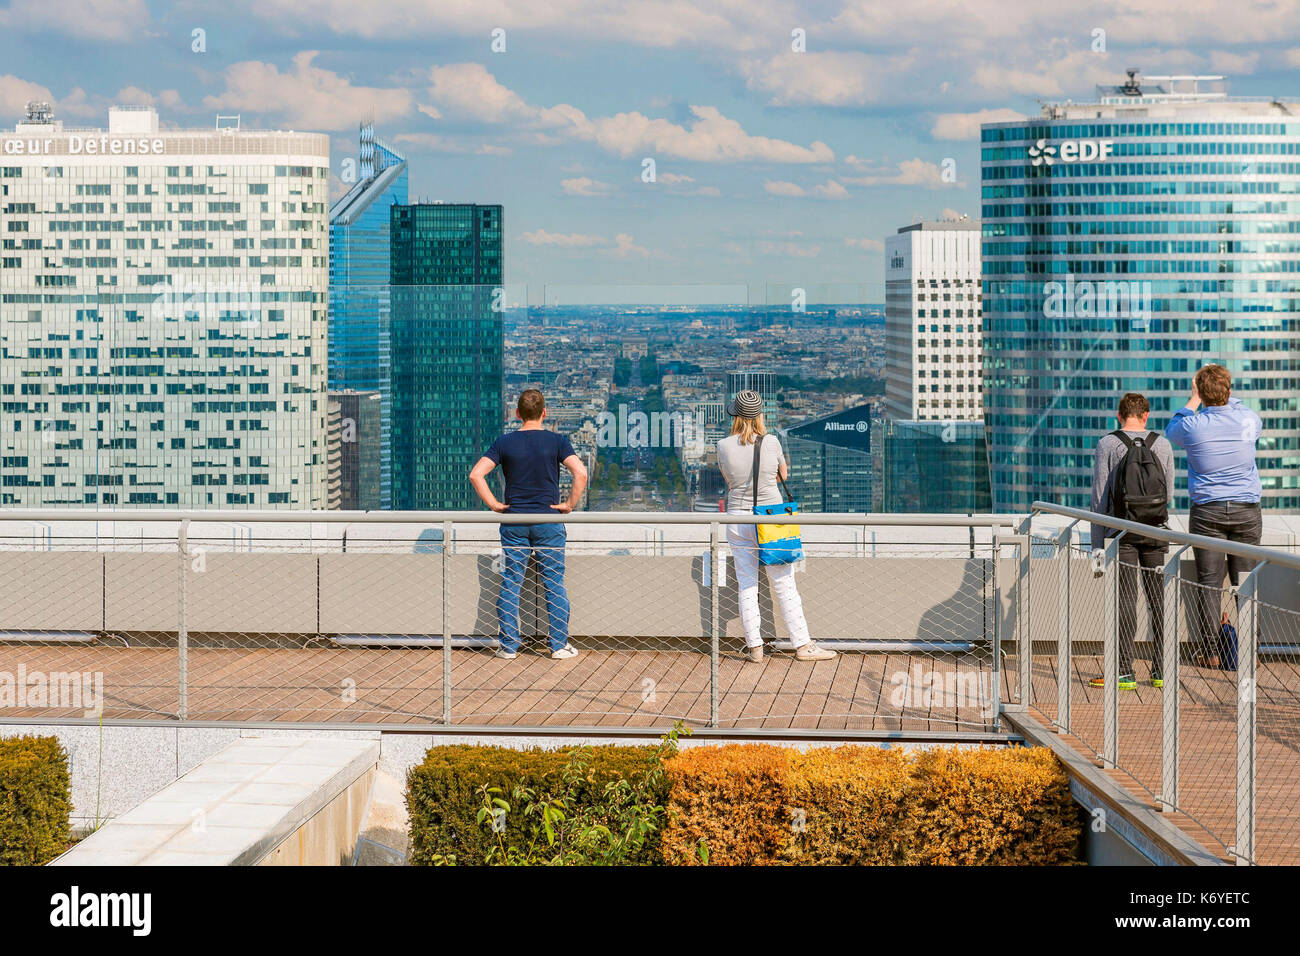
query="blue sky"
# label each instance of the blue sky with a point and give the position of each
(773, 167)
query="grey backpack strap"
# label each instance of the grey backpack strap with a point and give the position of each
(758, 451)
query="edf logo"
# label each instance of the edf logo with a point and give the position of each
(1070, 151)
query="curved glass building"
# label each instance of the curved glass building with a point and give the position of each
(1127, 242)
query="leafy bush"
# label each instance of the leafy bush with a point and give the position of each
(729, 805)
(567, 830)
(852, 805)
(1006, 807)
(741, 804)
(445, 794)
(759, 804)
(35, 805)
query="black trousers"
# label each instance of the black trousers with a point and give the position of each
(1146, 563)
(1231, 521)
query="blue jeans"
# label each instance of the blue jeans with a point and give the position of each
(546, 541)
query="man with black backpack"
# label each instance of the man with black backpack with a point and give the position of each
(1133, 479)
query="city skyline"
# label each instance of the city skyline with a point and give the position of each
(772, 166)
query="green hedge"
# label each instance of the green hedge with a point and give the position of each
(443, 798)
(35, 804)
(751, 804)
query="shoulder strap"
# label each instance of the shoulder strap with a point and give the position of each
(1151, 439)
(1119, 433)
(758, 451)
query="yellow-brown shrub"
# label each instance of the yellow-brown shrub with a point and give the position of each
(997, 806)
(856, 805)
(760, 804)
(732, 799)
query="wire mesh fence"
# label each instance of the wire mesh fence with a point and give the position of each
(212, 620)
(1205, 712)
(934, 628)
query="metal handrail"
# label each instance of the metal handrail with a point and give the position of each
(488, 517)
(1252, 551)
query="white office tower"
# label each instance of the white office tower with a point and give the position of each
(163, 300)
(933, 324)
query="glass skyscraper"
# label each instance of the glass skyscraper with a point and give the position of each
(447, 349)
(1126, 243)
(360, 307)
(929, 467)
(830, 461)
(163, 315)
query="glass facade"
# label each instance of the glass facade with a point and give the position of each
(929, 467)
(830, 461)
(447, 347)
(163, 316)
(360, 435)
(1125, 244)
(359, 341)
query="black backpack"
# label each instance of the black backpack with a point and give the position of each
(1138, 490)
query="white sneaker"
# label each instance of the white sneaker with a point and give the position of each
(811, 652)
(505, 655)
(754, 655)
(564, 653)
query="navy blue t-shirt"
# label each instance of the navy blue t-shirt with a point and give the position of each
(530, 460)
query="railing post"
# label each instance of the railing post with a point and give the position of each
(182, 620)
(1024, 633)
(715, 554)
(1110, 659)
(446, 626)
(1063, 642)
(1247, 690)
(1169, 662)
(996, 642)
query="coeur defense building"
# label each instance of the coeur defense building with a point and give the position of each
(163, 315)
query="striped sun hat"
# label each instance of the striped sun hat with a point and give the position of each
(746, 404)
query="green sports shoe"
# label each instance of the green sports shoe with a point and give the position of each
(1126, 682)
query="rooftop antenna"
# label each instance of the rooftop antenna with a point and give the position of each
(40, 112)
(1132, 87)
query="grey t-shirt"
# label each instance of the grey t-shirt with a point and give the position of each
(1110, 452)
(736, 462)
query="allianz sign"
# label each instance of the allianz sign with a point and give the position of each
(1043, 153)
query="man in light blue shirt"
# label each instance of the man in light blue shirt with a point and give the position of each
(1223, 483)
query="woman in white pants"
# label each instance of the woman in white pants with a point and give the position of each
(736, 460)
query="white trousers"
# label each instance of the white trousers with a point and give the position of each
(743, 539)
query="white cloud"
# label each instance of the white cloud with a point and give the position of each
(788, 249)
(1224, 61)
(572, 240)
(966, 126)
(622, 246)
(867, 245)
(307, 97)
(909, 172)
(471, 91)
(585, 186)
(836, 78)
(100, 20)
(436, 142)
(781, 188)
(831, 189)
(16, 93)
(649, 23)
(626, 248)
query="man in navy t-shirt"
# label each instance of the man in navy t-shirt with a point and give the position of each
(530, 460)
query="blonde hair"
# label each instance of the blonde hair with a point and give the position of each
(748, 428)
